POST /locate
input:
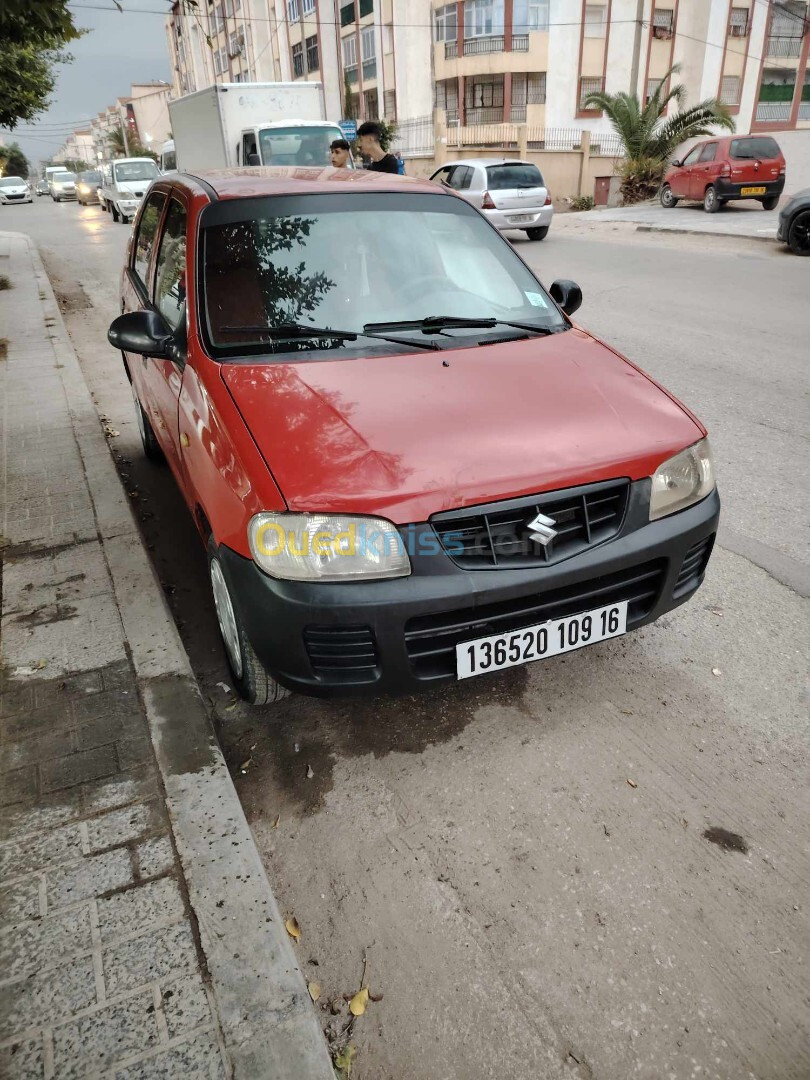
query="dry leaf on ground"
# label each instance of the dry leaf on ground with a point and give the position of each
(275, 823)
(357, 1006)
(314, 990)
(344, 1059)
(293, 929)
(632, 783)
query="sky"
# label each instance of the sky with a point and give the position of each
(121, 48)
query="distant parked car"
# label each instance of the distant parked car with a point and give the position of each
(15, 189)
(794, 223)
(62, 185)
(123, 184)
(512, 194)
(42, 187)
(87, 186)
(731, 167)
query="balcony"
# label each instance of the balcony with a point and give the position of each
(492, 115)
(478, 45)
(369, 69)
(520, 42)
(773, 110)
(451, 50)
(517, 114)
(804, 110)
(351, 74)
(783, 47)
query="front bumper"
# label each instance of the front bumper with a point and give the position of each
(537, 217)
(128, 207)
(727, 190)
(9, 200)
(399, 636)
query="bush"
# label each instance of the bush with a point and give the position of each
(582, 202)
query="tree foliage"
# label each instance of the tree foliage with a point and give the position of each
(133, 147)
(649, 137)
(33, 33)
(13, 161)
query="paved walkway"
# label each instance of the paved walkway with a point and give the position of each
(736, 219)
(138, 934)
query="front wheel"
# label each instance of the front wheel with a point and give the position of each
(711, 202)
(770, 203)
(254, 683)
(668, 200)
(114, 211)
(799, 234)
(151, 447)
(538, 233)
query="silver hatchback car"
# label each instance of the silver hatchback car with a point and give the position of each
(512, 194)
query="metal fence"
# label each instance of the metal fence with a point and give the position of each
(606, 144)
(415, 138)
(491, 136)
(477, 45)
(784, 46)
(554, 138)
(774, 110)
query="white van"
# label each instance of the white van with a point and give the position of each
(124, 181)
(168, 157)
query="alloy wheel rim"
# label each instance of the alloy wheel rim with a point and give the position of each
(226, 617)
(667, 194)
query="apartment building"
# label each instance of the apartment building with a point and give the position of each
(536, 61)
(77, 147)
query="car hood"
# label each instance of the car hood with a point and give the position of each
(405, 436)
(17, 190)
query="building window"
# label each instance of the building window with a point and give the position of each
(594, 20)
(588, 85)
(483, 92)
(730, 90)
(347, 14)
(390, 104)
(652, 86)
(483, 18)
(350, 52)
(446, 23)
(529, 15)
(229, 8)
(663, 23)
(219, 18)
(293, 11)
(738, 24)
(366, 7)
(217, 68)
(307, 6)
(371, 102)
(368, 43)
(298, 60)
(312, 53)
(447, 95)
(536, 90)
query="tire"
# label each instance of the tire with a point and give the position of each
(538, 233)
(252, 680)
(668, 200)
(711, 201)
(114, 212)
(151, 447)
(799, 233)
(770, 203)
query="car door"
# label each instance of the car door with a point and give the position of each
(460, 180)
(165, 377)
(703, 171)
(679, 180)
(137, 285)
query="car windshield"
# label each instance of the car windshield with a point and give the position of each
(501, 177)
(344, 261)
(297, 145)
(759, 148)
(136, 170)
(63, 178)
(90, 177)
(11, 181)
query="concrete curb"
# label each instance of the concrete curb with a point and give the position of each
(269, 1025)
(698, 232)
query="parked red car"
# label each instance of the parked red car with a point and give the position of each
(408, 464)
(731, 167)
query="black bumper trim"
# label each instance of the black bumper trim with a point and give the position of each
(728, 190)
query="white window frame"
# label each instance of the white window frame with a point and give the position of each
(307, 7)
(445, 23)
(368, 43)
(594, 20)
(301, 55)
(293, 11)
(349, 51)
(219, 17)
(483, 18)
(538, 14)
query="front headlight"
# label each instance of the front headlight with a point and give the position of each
(682, 480)
(327, 547)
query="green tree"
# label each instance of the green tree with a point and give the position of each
(133, 147)
(13, 161)
(32, 36)
(649, 137)
(75, 165)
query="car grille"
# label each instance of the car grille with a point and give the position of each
(10, 197)
(694, 566)
(342, 653)
(431, 640)
(499, 535)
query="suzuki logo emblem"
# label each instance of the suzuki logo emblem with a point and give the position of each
(541, 529)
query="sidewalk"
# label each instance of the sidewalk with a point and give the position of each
(742, 220)
(138, 933)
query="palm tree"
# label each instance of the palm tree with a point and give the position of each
(116, 147)
(649, 137)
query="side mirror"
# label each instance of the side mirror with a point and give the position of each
(253, 159)
(677, 164)
(142, 332)
(567, 294)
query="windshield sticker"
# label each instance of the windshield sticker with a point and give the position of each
(536, 299)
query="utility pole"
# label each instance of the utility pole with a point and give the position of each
(636, 47)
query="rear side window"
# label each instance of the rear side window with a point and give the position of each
(709, 152)
(170, 277)
(461, 177)
(757, 148)
(147, 227)
(518, 175)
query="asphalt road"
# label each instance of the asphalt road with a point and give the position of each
(526, 911)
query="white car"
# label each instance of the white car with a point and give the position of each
(15, 189)
(511, 193)
(124, 181)
(62, 185)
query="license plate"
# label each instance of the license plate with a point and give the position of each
(752, 191)
(538, 642)
(517, 218)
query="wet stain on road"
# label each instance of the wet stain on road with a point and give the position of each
(728, 841)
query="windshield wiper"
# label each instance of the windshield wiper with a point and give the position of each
(298, 331)
(434, 324)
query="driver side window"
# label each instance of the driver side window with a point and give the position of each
(145, 242)
(692, 156)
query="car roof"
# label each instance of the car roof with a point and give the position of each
(257, 180)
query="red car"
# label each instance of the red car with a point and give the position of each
(408, 464)
(731, 167)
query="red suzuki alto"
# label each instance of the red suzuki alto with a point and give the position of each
(408, 464)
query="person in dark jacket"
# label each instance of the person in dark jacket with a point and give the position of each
(368, 140)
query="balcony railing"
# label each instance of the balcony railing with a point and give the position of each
(450, 50)
(517, 114)
(351, 74)
(783, 46)
(478, 45)
(492, 115)
(520, 42)
(804, 110)
(773, 110)
(369, 69)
